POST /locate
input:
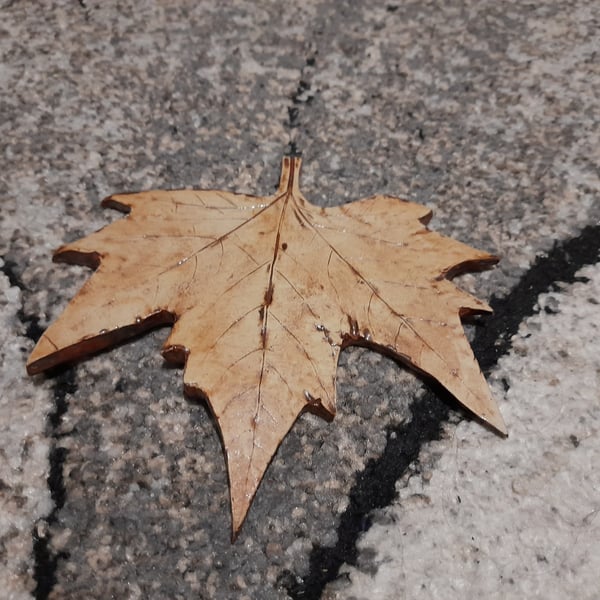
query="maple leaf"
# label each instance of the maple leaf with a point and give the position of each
(263, 293)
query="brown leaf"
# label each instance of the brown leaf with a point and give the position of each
(263, 293)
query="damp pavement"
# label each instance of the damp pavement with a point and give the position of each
(113, 483)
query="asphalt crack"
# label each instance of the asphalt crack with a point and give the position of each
(301, 97)
(45, 558)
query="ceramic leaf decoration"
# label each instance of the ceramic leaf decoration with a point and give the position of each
(263, 293)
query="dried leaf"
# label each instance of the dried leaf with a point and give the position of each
(263, 293)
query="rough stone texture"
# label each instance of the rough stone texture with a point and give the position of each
(24, 498)
(532, 531)
(484, 111)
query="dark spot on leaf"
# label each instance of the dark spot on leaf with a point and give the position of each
(269, 295)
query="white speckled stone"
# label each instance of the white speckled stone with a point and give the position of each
(24, 495)
(514, 518)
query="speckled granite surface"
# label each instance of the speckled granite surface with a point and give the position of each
(112, 483)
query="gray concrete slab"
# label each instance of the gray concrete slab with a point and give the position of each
(112, 483)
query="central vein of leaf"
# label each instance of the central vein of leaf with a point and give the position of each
(268, 297)
(264, 311)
